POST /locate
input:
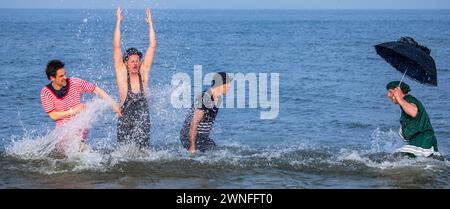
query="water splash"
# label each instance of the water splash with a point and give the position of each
(380, 154)
(301, 157)
(62, 141)
(382, 141)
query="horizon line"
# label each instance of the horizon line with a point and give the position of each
(134, 8)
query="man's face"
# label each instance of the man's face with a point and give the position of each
(390, 94)
(133, 63)
(60, 79)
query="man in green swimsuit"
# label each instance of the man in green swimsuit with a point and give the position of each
(415, 125)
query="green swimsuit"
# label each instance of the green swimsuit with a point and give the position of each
(418, 131)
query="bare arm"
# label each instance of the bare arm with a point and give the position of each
(118, 62)
(148, 59)
(119, 66)
(409, 108)
(54, 115)
(198, 115)
(102, 94)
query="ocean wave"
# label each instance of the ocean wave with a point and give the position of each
(173, 157)
(38, 155)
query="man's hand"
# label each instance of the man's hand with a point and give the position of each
(55, 115)
(409, 108)
(398, 93)
(77, 109)
(119, 14)
(116, 109)
(149, 16)
(102, 94)
(192, 149)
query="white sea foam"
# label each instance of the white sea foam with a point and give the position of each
(64, 141)
(385, 141)
(230, 153)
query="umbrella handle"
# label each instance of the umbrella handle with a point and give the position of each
(400, 83)
(403, 77)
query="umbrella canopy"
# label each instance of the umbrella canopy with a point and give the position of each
(410, 58)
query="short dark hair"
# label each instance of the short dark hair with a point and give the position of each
(52, 67)
(131, 51)
(220, 78)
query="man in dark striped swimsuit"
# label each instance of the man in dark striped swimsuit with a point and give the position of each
(200, 120)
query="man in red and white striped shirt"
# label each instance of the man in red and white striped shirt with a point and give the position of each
(61, 99)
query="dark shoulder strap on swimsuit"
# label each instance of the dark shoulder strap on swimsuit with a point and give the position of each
(141, 87)
(128, 81)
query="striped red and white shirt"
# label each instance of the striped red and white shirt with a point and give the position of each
(77, 87)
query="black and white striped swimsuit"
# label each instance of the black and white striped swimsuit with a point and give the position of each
(210, 110)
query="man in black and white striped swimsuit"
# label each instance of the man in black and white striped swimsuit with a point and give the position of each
(200, 120)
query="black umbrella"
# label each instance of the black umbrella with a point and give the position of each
(410, 58)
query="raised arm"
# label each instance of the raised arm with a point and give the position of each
(198, 115)
(148, 59)
(118, 62)
(409, 108)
